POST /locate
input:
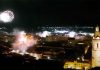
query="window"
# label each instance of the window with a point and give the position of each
(97, 45)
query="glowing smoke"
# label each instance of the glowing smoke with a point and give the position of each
(23, 41)
(72, 34)
(44, 34)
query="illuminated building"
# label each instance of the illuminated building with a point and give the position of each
(77, 65)
(96, 49)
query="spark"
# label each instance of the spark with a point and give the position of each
(86, 49)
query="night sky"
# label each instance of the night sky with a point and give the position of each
(33, 13)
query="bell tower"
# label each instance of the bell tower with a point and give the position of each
(96, 48)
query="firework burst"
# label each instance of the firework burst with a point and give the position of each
(23, 41)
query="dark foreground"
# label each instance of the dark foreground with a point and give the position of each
(18, 62)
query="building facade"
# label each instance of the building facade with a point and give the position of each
(77, 65)
(96, 48)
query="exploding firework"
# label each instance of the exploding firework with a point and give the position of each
(6, 16)
(23, 41)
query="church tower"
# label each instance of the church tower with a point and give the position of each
(96, 48)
